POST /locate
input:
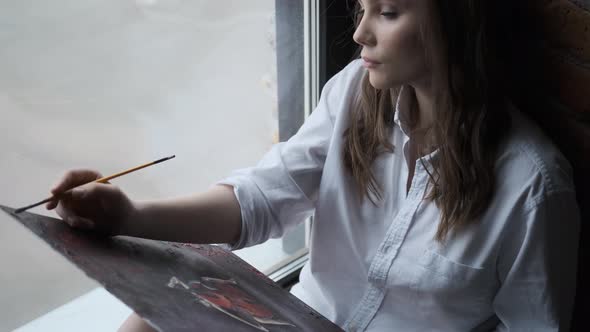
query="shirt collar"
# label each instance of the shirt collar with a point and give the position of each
(401, 109)
(401, 118)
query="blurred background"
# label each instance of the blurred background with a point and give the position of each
(111, 84)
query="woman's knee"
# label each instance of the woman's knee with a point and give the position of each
(134, 323)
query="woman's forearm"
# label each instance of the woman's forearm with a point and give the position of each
(210, 217)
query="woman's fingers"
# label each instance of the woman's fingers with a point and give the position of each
(83, 203)
(70, 180)
(51, 204)
(74, 178)
(71, 212)
(81, 222)
(64, 208)
(80, 201)
(95, 206)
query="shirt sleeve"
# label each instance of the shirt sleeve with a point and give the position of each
(537, 267)
(281, 190)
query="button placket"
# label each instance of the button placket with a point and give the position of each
(386, 253)
(381, 264)
(386, 248)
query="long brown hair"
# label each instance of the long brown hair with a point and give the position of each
(479, 55)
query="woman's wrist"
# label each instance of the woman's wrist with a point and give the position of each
(129, 225)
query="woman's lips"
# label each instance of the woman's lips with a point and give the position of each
(369, 63)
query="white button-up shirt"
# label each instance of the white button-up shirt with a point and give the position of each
(379, 268)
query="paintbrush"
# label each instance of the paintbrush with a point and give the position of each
(101, 180)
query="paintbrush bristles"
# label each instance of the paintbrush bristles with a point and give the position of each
(19, 210)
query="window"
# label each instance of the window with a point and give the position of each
(112, 84)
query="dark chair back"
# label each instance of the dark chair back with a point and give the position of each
(567, 29)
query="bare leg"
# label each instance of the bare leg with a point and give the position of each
(134, 323)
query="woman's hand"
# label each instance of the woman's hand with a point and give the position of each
(94, 206)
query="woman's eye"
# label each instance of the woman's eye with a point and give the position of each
(389, 14)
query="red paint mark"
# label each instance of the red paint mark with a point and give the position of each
(227, 297)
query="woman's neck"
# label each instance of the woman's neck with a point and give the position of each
(422, 119)
(424, 102)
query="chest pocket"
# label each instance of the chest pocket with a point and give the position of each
(442, 279)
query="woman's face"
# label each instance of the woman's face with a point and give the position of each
(392, 47)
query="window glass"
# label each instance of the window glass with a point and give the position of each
(111, 84)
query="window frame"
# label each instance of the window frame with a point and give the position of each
(304, 65)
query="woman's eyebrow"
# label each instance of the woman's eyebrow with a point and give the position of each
(400, 3)
(394, 2)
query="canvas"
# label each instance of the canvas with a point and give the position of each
(177, 286)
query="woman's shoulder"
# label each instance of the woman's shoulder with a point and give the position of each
(529, 162)
(341, 90)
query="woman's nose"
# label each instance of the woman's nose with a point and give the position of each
(362, 34)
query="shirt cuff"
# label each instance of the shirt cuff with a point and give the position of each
(242, 190)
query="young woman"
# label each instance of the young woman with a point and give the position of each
(438, 204)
